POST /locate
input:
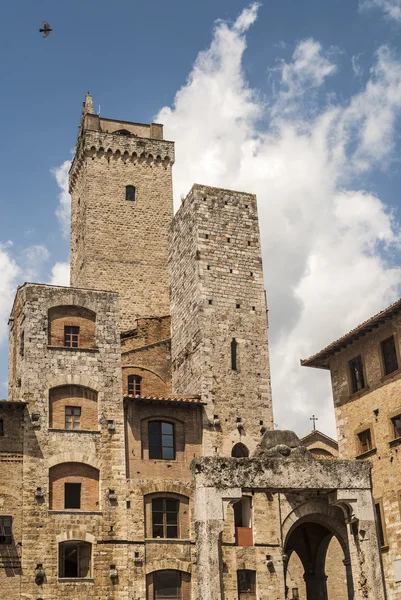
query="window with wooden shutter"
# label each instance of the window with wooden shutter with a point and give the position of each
(246, 582)
(365, 441)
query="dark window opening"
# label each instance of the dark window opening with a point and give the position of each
(161, 440)
(122, 132)
(246, 582)
(130, 193)
(167, 585)
(295, 594)
(239, 451)
(71, 336)
(1, 427)
(72, 495)
(379, 522)
(396, 421)
(357, 378)
(75, 559)
(22, 344)
(389, 354)
(365, 441)
(242, 512)
(134, 385)
(6, 530)
(72, 417)
(165, 518)
(234, 354)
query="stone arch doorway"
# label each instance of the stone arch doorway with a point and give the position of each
(320, 543)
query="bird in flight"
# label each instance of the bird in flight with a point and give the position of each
(46, 29)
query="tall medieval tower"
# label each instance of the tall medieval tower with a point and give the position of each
(122, 206)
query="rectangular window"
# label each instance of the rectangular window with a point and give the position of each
(5, 530)
(72, 495)
(73, 417)
(246, 582)
(365, 441)
(165, 518)
(1, 427)
(396, 421)
(167, 585)
(134, 385)
(75, 559)
(379, 522)
(356, 371)
(389, 353)
(161, 440)
(71, 336)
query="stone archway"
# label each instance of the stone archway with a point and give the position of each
(309, 538)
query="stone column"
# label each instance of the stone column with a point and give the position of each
(316, 586)
(365, 556)
(210, 511)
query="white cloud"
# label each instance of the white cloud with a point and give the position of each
(9, 272)
(60, 274)
(325, 242)
(391, 8)
(63, 211)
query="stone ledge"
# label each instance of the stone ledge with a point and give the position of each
(70, 511)
(370, 452)
(80, 431)
(76, 580)
(66, 348)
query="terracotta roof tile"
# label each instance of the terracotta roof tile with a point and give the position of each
(170, 399)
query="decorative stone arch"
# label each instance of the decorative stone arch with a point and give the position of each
(75, 457)
(72, 379)
(168, 564)
(75, 534)
(155, 487)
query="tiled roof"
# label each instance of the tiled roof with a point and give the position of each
(320, 360)
(169, 399)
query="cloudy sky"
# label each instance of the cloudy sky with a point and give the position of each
(298, 102)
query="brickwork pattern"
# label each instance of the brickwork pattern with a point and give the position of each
(74, 316)
(72, 395)
(80, 473)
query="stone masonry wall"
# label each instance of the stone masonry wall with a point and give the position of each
(217, 295)
(116, 244)
(372, 408)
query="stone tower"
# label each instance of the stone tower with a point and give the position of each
(219, 320)
(122, 206)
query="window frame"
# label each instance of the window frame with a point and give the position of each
(135, 381)
(359, 441)
(161, 446)
(6, 522)
(130, 190)
(353, 383)
(61, 566)
(178, 595)
(165, 525)
(69, 336)
(384, 364)
(73, 416)
(249, 590)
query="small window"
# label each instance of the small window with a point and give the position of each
(71, 336)
(134, 385)
(73, 417)
(357, 378)
(72, 495)
(1, 427)
(5, 530)
(130, 193)
(240, 451)
(234, 354)
(167, 585)
(396, 421)
(379, 522)
(22, 344)
(389, 353)
(75, 560)
(246, 582)
(295, 594)
(242, 512)
(165, 518)
(161, 440)
(365, 441)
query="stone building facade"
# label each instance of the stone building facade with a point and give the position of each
(365, 373)
(137, 453)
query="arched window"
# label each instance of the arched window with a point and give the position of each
(161, 440)
(75, 559)
(240, 451)
(134, 385)
(130, 193)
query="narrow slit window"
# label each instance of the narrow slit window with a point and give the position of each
(72, 495)
(1, 427)
(357, 377)
(130, 193)
(380, 527)
(71, 336)
(389, 353)
(234, 345)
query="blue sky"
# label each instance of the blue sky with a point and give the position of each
(298, 102)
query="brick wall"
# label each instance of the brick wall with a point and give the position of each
(64, 473)
(76, 316)
(72, 395)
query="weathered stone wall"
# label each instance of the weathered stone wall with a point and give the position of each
(218, 295)
(373, 407)
(116, 244)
